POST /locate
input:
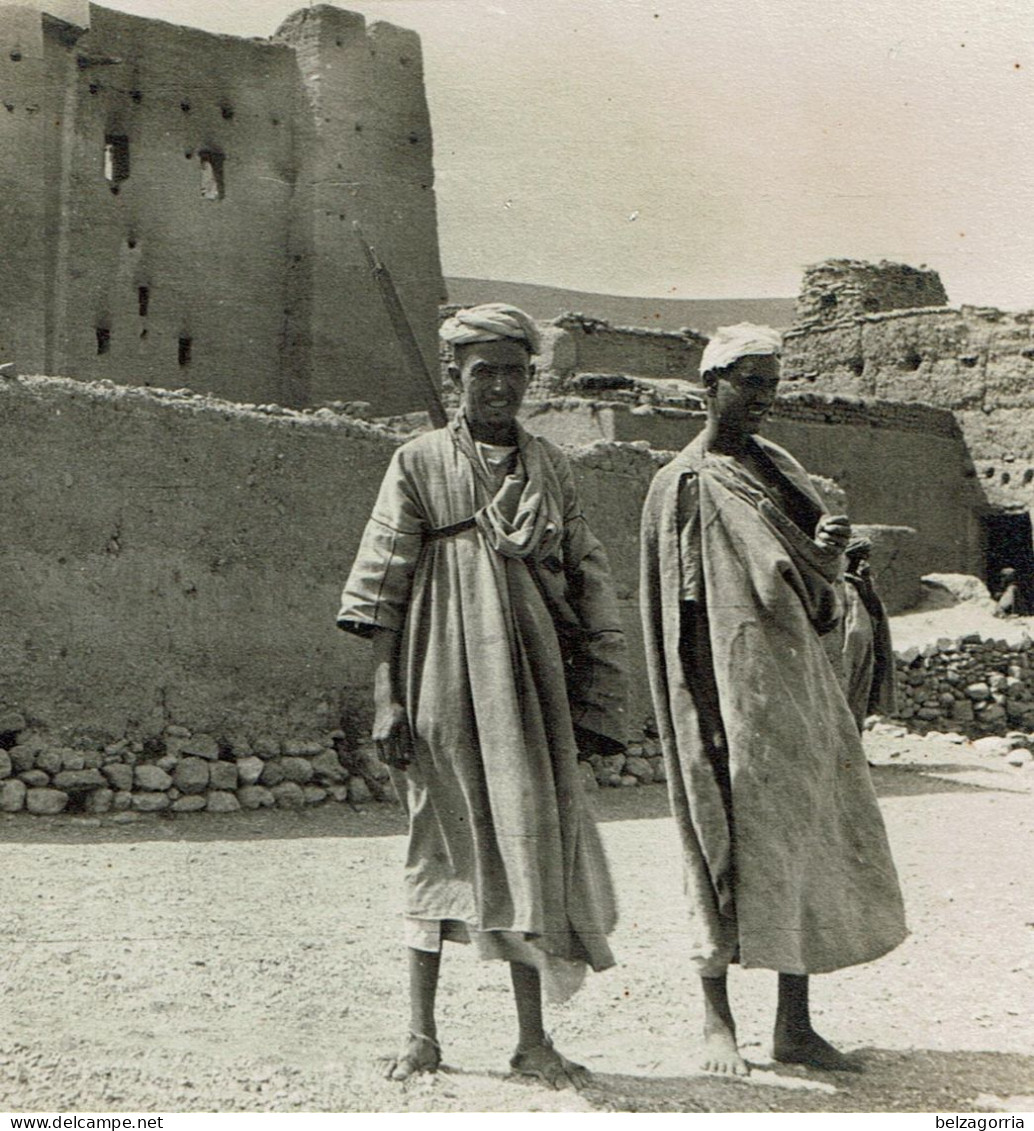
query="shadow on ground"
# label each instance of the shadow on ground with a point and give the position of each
(911, 1080)
(913, 780)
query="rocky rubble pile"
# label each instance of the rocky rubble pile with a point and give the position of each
(181, 773)
(967, 684)
(641, 764)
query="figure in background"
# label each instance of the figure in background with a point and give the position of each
(499, 656)
(1008, 601)
(867, 650)
(786, 860)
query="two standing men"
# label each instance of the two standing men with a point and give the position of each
(498, 655)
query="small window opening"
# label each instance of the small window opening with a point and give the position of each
(213, 185)
(1006, 477)
(16, 56)
(912, 360)
(103, 339)
(116, 159)
(185, 107)
(185, 348)
(143, 300)
(989, 473)
(227, 112)
(1028, 476)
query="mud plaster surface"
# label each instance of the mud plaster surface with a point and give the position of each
(252, 963)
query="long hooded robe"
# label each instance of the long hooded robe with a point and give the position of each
(786, 859)
(512, 640)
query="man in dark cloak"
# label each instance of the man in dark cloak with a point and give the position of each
(785, 855)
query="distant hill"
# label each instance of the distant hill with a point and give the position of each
(702, 314)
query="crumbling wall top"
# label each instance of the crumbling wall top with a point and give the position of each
(839, 289)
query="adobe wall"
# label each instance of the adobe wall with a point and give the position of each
(174, 561)
(368, 156)
(258, 292)
(630, 351)
(32, 67)
(977, 362)
(902, 465)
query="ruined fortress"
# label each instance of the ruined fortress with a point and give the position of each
(886, 332)
(191, 481)
(176, 207)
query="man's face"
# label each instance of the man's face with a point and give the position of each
(493, 378)
(746, 391)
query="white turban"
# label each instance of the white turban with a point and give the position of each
(490, 322)
(730, 343)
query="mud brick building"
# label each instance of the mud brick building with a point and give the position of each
(176, 207)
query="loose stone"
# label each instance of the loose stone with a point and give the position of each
(45, 802)
(289, 795)
(150, 802)
(151, 777)
(12, 796)
(255, 797)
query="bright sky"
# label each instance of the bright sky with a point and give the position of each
(712, 148)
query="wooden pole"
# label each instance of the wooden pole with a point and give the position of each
(414, 359)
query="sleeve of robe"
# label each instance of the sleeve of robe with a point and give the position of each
(377, 592)
(597, 682)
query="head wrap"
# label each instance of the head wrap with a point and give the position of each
(490, 322)
(730, 343)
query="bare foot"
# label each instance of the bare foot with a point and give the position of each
(419, 1054)
(721, 1056)
(544, 1063)
(807, 1047)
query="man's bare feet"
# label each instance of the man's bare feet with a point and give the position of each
(418, 1054)
(544, 1063)
(806, 1047)
(720, 1054)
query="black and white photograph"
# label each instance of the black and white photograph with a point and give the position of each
(517, 581)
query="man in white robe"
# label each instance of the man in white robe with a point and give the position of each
(498, 656)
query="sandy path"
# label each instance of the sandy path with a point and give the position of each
(155, 967)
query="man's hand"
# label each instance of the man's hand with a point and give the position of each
(392, 735)
(833, 532)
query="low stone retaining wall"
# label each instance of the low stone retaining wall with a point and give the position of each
(190, 773)
(182, 773)
(967, 684)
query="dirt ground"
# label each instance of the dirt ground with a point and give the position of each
(251, 963)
